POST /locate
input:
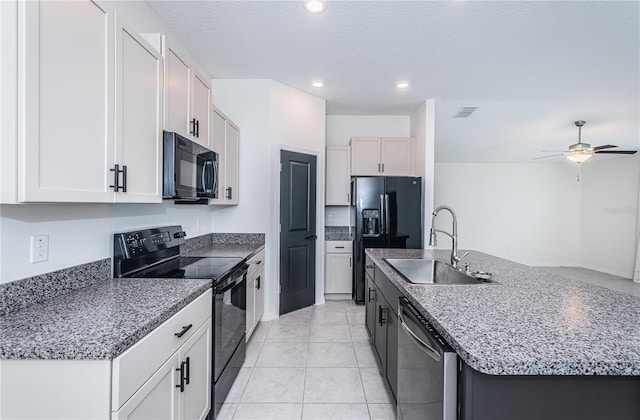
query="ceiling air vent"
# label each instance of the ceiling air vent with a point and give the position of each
(465, 111)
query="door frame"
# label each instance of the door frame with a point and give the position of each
(275, 219)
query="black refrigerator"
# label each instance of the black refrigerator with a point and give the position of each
(386, 212)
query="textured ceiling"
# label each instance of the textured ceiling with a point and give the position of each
(532, 67)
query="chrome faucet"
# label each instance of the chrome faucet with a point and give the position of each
(455, 259)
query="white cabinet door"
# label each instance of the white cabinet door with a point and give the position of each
(138, 116)
(225, 141)
(66, 102)
(157, 398)
(365, 156)
(195, 401)
(201, 110)
(251, 303)
(396, 155)
(338, 176)
(338, 273)
(218, 142)
(232, 164)
(177, 88)
(259, 298)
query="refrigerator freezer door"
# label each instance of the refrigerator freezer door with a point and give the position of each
(404, 212)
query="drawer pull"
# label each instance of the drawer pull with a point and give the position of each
(184, 330)
(259, 262)
(339, 247)
(368, 267)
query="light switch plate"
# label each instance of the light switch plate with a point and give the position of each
(39, 248)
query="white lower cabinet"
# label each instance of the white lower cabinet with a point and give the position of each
(255, 292)
(144, 382)
(339, 267)
(179, 389)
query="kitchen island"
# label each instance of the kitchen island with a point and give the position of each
(532, 341)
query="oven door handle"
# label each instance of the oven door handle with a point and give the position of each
(425, 347)
(235, 278)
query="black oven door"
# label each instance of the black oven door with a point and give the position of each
(230, 317)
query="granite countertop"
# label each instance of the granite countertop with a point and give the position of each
(531, 322)
(97, 322)
(225, 250)
(337, 233)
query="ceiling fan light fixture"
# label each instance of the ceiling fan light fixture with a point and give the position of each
(317, 83)
(402, 84)
(579, 157)
(315, 6)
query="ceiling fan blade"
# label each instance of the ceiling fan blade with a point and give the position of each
(553, 151)
(544, 157)
(606, 146)
(617, 152)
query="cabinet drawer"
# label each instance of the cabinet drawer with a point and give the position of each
(368, 267)
(138, 363)
(256, 263)
(339, 247)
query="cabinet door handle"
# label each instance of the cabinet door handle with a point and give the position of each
(382, 315)
(186, 378)
(197, 128)
(116, 178)
(368, 267)
(383, 167)
(192, 130)
(349, 262)
(258, 283)
(184, 330)
(229, 193)
(374, 294)
(124, 178)
(181, 370)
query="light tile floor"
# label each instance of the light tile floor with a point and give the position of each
(314, 363)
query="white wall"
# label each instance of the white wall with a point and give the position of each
(271, 117)
(78, 233)
(340, 128)
(81, 233)
(529, 213)
(610, 214)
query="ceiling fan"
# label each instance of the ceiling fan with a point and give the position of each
(580, 152)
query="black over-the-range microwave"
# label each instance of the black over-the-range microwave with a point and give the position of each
(190, 170)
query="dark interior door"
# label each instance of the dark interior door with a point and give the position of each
(297, 231)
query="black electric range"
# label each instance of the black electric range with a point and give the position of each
(155, 253)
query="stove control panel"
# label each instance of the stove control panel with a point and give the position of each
(147, 242)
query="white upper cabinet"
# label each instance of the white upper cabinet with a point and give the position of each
(338, 175)
(89, 106)
(385, 156)
(66, 94)
(187, 107)
(138, 116)
(225, 141)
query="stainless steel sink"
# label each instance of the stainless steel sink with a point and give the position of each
(422, 271)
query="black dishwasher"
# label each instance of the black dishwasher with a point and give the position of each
(427, 369)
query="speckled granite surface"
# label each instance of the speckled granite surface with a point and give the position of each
(97, 322)
(20, 294)
(240, 245)
(533, 322)
(337, 233)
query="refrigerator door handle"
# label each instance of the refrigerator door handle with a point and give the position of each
(382, 214)
(387, 215)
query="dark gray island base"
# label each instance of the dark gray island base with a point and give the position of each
(532, 346)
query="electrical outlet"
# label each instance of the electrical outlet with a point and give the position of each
(330, 219)
(39, 248)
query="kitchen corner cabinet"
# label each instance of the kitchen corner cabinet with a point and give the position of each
(338, 267)
(187, 94)
(166, 374)
(381, 156)
(226, 142)
(88, 128)
(255, 292)
(381, 308)
(338, 177)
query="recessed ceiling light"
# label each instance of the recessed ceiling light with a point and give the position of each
(402, 85)
(317, 83)
(315, 6)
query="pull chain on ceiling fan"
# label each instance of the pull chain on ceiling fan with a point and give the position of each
(580, 152)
